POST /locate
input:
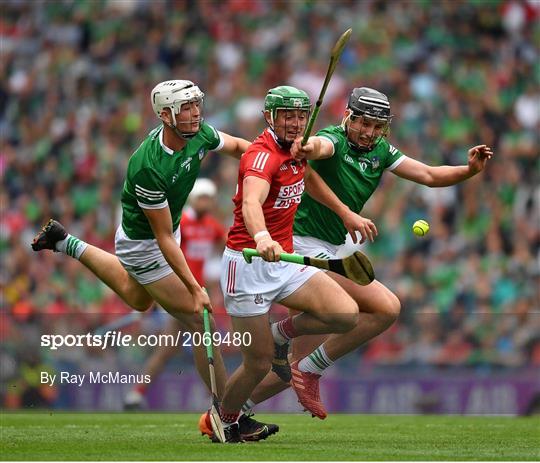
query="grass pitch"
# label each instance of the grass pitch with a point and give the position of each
(168, 436)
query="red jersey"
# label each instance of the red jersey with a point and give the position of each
(199, 237)
(267, 160)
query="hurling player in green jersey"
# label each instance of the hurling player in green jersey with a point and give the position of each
(351, 158)
(149, 264)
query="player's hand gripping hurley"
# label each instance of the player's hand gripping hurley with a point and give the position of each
(334, 58)
(217, 425)
(356, 267)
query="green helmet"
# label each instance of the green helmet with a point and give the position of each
(286, 97)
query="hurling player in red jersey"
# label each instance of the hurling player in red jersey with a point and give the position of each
(270, 186)
(202, 234)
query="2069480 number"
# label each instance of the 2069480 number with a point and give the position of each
(235, 339)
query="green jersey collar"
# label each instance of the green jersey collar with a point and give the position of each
(165, 148)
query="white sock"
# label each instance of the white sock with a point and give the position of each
(71, 246)
(248, 407)
(279, 338)
(316, 362)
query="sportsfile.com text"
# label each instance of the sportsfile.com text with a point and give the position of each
(119, 339)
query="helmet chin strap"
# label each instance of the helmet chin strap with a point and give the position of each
(185, 135)
(178, 133)
(355, 146)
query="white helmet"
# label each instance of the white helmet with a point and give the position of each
(173, 94)
(203, 187)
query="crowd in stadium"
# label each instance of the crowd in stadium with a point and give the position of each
(74, 105)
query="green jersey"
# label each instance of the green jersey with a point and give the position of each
(352, 175)
(158, 177)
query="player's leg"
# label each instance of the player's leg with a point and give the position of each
(249, 290)
(110, 271)
(379, 308)
(104, 265)
(273, 384)
(307, 371)
(327, 308)
(305, 323)
(256, 363)
(159, 284)
(153, 366)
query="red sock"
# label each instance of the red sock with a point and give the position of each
(286, 328)
(227, 416)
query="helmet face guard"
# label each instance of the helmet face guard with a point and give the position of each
(173, 94)
(372, 107)
(296, 105)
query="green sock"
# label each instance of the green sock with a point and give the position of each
(316, 362)
(72, 246)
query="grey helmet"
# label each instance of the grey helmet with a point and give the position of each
(365, 101)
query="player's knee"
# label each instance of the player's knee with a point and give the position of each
(259, 365)
(140, 305)
(349, 315)
(391, 309)
(345, 322)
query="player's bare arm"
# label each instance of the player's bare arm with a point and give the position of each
(255, 193)
(315, 148)
(317, 188)
(161, 222)
(233, 146)
(441, 176)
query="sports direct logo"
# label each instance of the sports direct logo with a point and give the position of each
(289, 195)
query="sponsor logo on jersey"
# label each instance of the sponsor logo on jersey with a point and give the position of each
(283, 167)
(186, 162)
(289, 195)
(258, 299)
(349, 159)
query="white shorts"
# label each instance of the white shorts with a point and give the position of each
(142, 259)
(314, 247)
(250, 289)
